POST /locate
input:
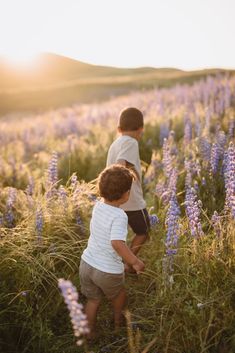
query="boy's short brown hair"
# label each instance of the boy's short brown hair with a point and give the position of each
(114, 181)
(131, 119)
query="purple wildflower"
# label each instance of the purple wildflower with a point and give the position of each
(188, 178)
(208, 119)
(187, 130)
(63, 196)
(231, 129)
(164, 132)
(221, 140)
(39, 222)
(52, 169)
(230, 180)
(153, 219)
(172, 224)
(170, 190)
(215, 158)
(78, 318)
(167, 158)
(9, 215)
(52, 175)
(74, 181)
(1, 219)
(11, 197)
(205, 148)
(193, 212)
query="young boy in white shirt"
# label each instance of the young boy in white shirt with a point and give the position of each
(101, 268)
(125, 151)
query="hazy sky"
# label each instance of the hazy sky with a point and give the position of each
(187, 34)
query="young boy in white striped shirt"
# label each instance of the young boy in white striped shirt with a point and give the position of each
(101, 268)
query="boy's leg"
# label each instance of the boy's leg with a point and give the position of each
(119, 303)
(137, 242)
(139, 223)
(91, 309)
(92, 292)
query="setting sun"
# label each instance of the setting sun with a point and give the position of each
(22, 57)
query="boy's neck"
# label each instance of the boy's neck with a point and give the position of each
(112, 203)
(136, 134)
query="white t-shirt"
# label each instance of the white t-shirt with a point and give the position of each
(127, 148)
(107, 223)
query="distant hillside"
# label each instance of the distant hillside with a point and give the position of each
(58, 81)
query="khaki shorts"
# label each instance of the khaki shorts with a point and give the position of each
(95, 283)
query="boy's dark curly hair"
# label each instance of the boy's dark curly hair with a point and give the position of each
(131, 119)
(114, 181)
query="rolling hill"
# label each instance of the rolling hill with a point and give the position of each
(56, 81)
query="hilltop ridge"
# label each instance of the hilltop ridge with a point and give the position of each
(53, 81)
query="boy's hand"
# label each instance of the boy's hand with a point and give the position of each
(138, 266)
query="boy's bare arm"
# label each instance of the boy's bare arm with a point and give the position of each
(130, 166)
(127, 255)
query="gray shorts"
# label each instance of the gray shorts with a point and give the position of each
(95, 283)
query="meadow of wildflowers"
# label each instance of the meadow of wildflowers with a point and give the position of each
(184, 302)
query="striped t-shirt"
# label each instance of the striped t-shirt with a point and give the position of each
(107, 223)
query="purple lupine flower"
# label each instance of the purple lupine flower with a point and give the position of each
(172, 145)
(227, 96)
(187, 130)
(153, 220)
(52, 169)
(193, 212)
(63, 196)
(74, 181)
(215, 219)
(1, 219)
(52, 175)
(208, 119)
(172, 219)
(164, 132)
(11, 197)
(78, 318)
(205, 149)
(231, 129)
(9, 215)
(172, 224)
(198, 127)
(39, 222)
(167, 158)
(188, 178)
(230, 180)
(170, 190)
(215, 158)
(221, 140)
(224, 165)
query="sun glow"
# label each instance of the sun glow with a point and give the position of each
(25, 58)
